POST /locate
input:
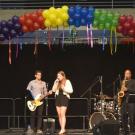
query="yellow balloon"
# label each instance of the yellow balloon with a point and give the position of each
(45, 13)
(47, 23)
(65, 8)
(59, 22)
(66, 24)
(59, 12)
(65, 17)
(54, 25)
(52, 17)
(52, 9)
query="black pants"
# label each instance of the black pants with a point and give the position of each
(131, 111)
(36, 116)
(128, 110)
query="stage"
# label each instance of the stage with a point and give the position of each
(22, 132)
(69, 132)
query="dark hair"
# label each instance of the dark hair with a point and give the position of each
(38, 71)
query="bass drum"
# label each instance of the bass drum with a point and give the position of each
(98, 117)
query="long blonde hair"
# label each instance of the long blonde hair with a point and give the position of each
(64, 79)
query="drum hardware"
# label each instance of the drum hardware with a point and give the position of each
(98, 117)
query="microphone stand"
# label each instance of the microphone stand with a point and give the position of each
(46, 111)
(101, 93)
(25, 113)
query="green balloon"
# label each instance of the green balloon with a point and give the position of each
(104, 12)
(102, 19)
(114, 22)
(116, 15)
(107, 26)
(97, 13)
(95, 23)
(109, 16)
(101, 26)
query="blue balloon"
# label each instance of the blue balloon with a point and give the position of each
(77, 16)
(78, 9)
(91, 10)
(71, 21)
(83, 22)
(89, 19)
(84, 12)
(3, 23)
(71, 11)
(15, 19)
(77, 23)
(10, 24)
(2, 37)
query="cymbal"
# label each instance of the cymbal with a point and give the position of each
(103, 97)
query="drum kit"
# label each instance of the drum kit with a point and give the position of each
(104, 109)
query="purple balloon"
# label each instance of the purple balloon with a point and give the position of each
(17, 27)
(2, 37)
(3, 23)
(5, 31)
(15, 19)
(13, 33)
(20, 33)
(10, 24)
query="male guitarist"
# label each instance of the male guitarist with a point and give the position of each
(38, 91)
(128, 88)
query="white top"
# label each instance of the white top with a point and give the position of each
(68, 89)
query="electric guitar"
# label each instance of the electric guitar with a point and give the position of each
(33, 104)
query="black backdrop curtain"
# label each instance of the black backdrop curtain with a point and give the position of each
(81, 64)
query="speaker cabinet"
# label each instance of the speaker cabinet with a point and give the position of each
(107, 127)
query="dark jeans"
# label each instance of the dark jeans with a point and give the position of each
(124, 115)
(36, 115)
(131, 111)
(128, 110)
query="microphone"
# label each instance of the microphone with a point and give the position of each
(57, 80)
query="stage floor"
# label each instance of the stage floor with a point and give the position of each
(69, 132)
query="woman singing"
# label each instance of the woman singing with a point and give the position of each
(62, 88)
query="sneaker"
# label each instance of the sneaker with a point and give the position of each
(30, 131)
(39, 131)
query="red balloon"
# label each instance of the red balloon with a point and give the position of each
(130, 18)
(39, 12)
(127, 26)
(29, 22)
(36, 26)
(31, 29)
(34, 17)
(131, 33)
(122, 19)
(28, 15)
(133, 24)
(22, 19)
(40, 20)
(119, 29)
(125, 32)
(25, 28)
(42, 26)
